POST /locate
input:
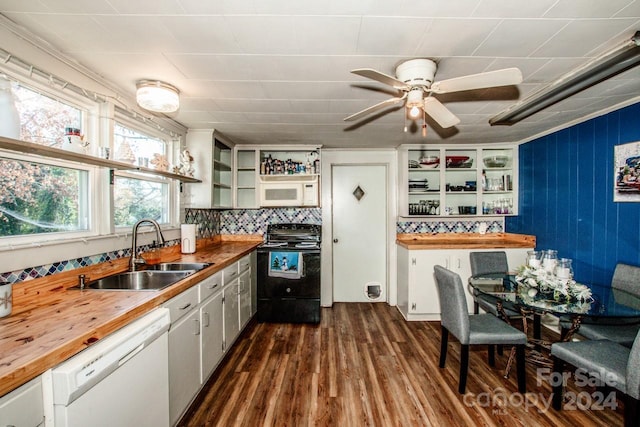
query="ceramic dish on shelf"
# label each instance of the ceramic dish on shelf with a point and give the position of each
(429, 162)
(414, 164)
(496, 161)
(459, 162)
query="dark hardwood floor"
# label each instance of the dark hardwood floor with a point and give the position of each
(364, 365)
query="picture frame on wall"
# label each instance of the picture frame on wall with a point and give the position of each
(626, 180)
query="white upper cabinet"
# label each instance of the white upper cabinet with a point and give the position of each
(213, 164)
(458, 180)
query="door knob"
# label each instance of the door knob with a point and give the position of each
(335, 240)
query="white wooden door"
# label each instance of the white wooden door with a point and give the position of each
(359, 217)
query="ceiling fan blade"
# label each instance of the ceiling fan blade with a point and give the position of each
(438, 112)
(504, 77)
(381, 77)
(373, 108)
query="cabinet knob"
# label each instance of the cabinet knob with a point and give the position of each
(335, 240)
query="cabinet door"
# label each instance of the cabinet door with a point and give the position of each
(23, 406)
(231, 315)
(244, 297)
(460, 263)
(211, 339)
(423, 294)
(184, 356)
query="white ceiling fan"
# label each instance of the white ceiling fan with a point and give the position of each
(415, 78)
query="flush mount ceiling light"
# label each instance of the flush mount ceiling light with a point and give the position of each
(157, 96)
(609, 65)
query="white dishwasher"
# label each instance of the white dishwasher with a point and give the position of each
(122, 380)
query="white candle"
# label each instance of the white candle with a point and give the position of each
(549, 264)
(563, 273)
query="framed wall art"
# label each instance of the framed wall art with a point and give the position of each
(626, 158)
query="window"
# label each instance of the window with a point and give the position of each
(42, 118)
(40, 198)
(138, 196)
(43, 197)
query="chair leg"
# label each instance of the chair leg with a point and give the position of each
(464, 367)
(500, 352)
(557, 386)
(537, 323)
(631, 411)
(444, 338)
(492, 355)
(563, 333)
(521, 367)
(476, 308)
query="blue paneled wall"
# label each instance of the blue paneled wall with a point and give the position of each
(566, 196)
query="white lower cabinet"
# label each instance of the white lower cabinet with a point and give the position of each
(417, 292)
(212, 336)
(23, 407)
(231, 316)
(184, 352)
(205, 322)
(244, 298)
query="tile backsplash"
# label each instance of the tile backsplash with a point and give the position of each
(252, 221)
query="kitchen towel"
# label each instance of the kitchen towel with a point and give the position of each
(188, 238)
(285, 264)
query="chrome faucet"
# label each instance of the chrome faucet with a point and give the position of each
(135, 260)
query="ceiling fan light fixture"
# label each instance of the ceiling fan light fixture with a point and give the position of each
(157, 96)
(414, 112)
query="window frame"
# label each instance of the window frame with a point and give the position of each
(91, 195)
(173, 185)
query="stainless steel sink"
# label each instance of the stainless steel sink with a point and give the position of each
(177, 266)
(138, 280)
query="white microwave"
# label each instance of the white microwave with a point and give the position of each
(288, 190)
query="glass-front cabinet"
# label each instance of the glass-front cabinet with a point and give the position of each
(458, 180)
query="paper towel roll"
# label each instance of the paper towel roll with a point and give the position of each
(188, 238)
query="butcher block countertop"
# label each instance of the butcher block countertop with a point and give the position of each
(50, 323)
(465, 241)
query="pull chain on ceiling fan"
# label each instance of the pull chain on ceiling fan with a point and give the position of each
(415, 79)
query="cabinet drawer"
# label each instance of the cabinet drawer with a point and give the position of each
(244, 264)
(210, 285)
(180, 305)
(230, 273)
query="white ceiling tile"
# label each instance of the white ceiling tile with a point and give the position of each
(455, 37)
(512, 9)
(264, 34)
(506, 40)
(579, 37)
(586, 8)
(74, 6)
(391, 36)
(155, 7)
(200, 34)
(331, 35)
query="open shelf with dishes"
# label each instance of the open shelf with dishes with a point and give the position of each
(57, 153)
(457, 180)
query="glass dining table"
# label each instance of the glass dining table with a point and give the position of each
(606, 304)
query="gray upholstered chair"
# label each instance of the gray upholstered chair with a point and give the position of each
(616, 365)
(473, 329)
(488, 262)
(626, 278)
